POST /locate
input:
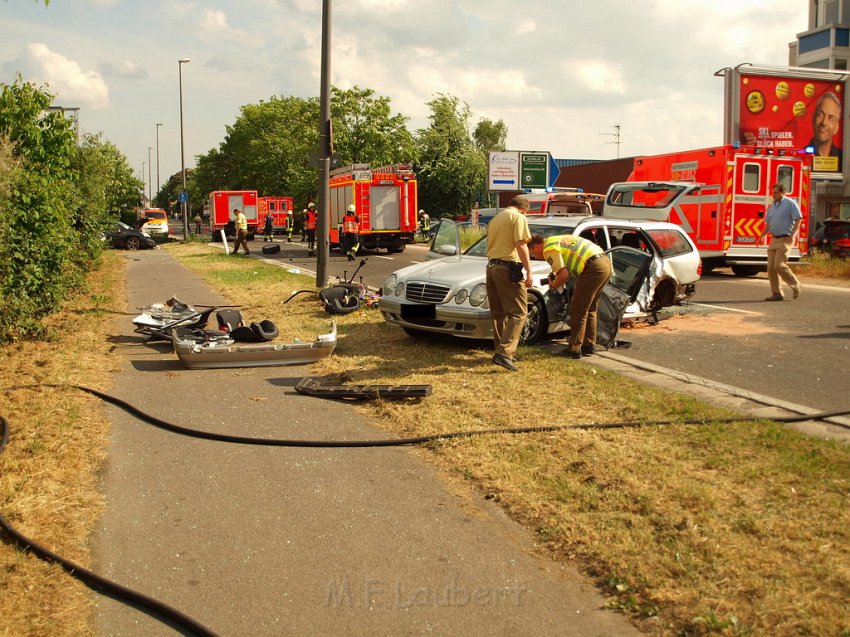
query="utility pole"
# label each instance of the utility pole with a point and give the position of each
(616, 137)
(324, 211)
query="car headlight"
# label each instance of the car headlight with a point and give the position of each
(461, 296)
(478, 295)
(146, 235)
(399, 289)
(389, 284)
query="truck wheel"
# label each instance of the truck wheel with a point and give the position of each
(535, 323)
(746, 270)
(395, 249)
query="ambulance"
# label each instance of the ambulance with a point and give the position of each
(385, 199)
(720, 197)
(280, 209)
(220, 205)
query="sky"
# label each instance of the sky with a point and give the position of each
(561, 74)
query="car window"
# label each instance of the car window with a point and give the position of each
(670, 242)
(836, 230)
(627, 267)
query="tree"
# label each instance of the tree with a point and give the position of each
(451, 167)
(107, 191)
(364, 131)
(490, 135)
(36, 234)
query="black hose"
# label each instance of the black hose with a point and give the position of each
(189, 626)
(159, 610)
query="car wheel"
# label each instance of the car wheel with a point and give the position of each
(415, 333)
(132, 243)
(745, 270)
(535, 323)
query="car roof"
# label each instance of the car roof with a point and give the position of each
(585, 220)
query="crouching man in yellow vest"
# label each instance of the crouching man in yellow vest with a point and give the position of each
(570, 255)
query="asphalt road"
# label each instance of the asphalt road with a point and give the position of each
(797, 350)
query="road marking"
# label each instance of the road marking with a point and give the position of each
(723, 307)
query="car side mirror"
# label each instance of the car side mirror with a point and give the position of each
(447, 250)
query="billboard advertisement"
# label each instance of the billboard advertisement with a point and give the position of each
(793, 113)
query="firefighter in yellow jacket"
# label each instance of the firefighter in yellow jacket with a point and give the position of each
(350, 240)
(572, 256)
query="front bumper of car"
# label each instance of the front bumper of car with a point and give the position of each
(147, 242)
(454, 320)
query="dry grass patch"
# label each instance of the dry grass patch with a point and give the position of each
(728, 529)
(48, 473)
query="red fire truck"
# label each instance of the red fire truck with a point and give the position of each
(386, 202)
(719, 196)
(279, 208)
(220, 206)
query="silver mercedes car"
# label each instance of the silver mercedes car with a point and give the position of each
(447, 293)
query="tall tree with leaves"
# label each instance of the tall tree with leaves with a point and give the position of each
(451, 166)
(488, 136)
(36, 233)
(365, 131)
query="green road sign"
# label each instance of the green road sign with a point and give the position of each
(534, 170)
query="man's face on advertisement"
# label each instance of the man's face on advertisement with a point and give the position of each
(825, 120)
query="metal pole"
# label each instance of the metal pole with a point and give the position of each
(324, 210)
(157, 157)
(150, 181)
(182, 154)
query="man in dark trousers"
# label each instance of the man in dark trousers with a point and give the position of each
(507, 254)
(572, 256)
(310, 228)
(350, 241)
(268, 229)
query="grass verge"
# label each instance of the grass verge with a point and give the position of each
(49, 471)
(735, 529)
(740, 529)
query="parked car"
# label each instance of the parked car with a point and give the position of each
(836, 237)
(155, 221)
(124, 237)
(655, 265)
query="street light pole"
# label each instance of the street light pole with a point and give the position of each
(150, 183)
(183, 202)
(325, 141)
(157, 156)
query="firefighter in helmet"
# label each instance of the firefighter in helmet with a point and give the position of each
(350, 242)
(424, 223)
(290, 224)
(310, 228)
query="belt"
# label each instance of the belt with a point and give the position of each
(493, 262)
(781, 236)
(593, 258)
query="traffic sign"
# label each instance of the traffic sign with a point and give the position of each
(503, 171)
(534, 170)
(183, 197)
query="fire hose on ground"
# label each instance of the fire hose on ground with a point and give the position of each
(185, 624)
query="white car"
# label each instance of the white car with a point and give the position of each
(655, 264)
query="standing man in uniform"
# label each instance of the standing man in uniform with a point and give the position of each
(290, 225)
(241, 225)
(507, 255)
(268, 228)
(782, 222)
(350, 232)
(310, 228)
(424, 223)
(572, 256)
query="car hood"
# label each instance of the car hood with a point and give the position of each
(459, 271)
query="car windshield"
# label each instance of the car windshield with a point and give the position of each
(653, 195)
(479, 249)
(155, 214)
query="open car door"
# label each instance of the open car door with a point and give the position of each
(630, 272)
(446, 240)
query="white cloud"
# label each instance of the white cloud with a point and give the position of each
(127, 69)
(64, 77)
(598, 76)
(214, 25)
(526, 26)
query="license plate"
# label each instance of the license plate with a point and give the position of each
(413, 312)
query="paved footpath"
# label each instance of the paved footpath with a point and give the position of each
(295, 541)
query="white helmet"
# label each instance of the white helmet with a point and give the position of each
(352, 208)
